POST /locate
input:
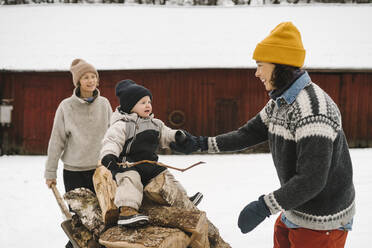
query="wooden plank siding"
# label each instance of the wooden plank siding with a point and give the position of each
(352, 93)
(204, 101)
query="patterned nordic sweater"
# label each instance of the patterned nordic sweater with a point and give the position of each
(310, 153)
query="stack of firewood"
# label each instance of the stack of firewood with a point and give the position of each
(174, 221)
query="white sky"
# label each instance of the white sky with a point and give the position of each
(49, 37)
(30, 216)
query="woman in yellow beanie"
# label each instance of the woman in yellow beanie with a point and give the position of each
(80, 123)
(316, 199)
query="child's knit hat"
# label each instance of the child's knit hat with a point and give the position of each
(78, 68)
(129, 93)
(282, 46)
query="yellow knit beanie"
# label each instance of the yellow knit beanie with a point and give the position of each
(78, 68)
(282, 46)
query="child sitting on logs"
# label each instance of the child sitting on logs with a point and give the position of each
(135, 135)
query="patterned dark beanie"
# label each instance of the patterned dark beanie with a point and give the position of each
(129, 93)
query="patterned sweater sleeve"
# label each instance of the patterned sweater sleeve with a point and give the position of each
(314, 136)
(56, 144)
(252, 133)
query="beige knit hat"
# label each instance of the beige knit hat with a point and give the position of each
(78, 68)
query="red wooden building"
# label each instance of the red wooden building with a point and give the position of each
(203, 101)
(196, 61)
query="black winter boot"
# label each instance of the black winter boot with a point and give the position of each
(69, 245)
(129, 217)
(196, 199)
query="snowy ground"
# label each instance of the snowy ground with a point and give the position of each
(30, 216)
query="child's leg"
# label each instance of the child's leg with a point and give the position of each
(129, 192)
(128, 199)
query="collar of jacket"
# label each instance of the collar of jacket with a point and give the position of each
(292, 92)
(130, 117)
(76, 94)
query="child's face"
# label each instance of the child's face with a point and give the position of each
(143, 107)
(88, 82)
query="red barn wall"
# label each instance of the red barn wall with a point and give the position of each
(204, 101)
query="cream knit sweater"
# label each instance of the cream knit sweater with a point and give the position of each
(77, 132)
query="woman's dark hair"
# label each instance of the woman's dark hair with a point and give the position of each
(283, 74)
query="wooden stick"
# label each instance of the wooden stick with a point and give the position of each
(127, 164)
(60, 202)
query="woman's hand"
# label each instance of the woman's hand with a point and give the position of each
(253, 214)
(50, 182)
(187, 143)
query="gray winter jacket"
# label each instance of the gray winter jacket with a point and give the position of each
(132, 138)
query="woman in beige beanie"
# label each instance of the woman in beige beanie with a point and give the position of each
(80, 123)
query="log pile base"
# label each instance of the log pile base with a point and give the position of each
(174, 221)
(146, 237)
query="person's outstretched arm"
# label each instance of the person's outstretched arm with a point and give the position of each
(255, 131)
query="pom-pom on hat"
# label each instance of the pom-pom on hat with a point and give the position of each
(78, 68)
(129, 93)
(282, 46)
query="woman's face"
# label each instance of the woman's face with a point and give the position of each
(264, 72)
(88, 83)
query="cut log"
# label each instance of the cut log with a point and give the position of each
(163, 190)
(81, 235)
(105, 188)
(147, 237)
(215, 240)
(200, 239)
(84, 203)
(190, 221)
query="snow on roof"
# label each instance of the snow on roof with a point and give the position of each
(111, 37)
